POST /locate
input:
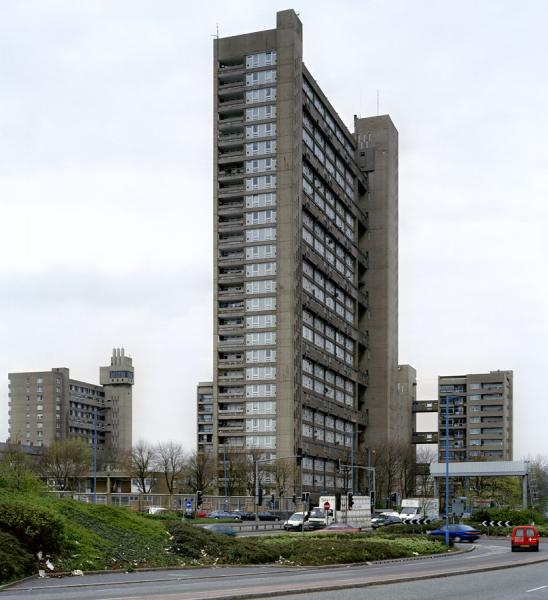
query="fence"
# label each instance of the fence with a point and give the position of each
(178, 502)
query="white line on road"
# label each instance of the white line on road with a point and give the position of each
(535, 589)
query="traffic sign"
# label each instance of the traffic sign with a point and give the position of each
(326, 505)
(188, 504)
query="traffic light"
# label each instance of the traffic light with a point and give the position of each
(339, 465)
(272, 500)
(394, 498)
(350, 499)
(338, 501)
(305, 497)
(294, 499)
(260, 497)
(372, 497)
(199, 498)
(299, 456)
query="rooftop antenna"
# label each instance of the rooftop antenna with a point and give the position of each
(216, 34)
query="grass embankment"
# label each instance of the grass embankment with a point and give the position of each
(73, 535)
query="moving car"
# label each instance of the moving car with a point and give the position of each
(221, 529)
(318, 519)
(525, 537)
(458, 533)
(341, 528)
(385, 520)
(295, 523)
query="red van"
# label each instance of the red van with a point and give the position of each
(525, 536)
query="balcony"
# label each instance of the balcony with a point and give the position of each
(231, 377)
(231, 275)
(231, 291)
(232, 393)
(226, 139)
(234, 152)
(231, 359)
(231, 427)
(229, 225)
(231, 342)
(228, 189)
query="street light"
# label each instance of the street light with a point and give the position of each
(447, 470)
(94, 455)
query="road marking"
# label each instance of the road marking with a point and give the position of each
(536, 589)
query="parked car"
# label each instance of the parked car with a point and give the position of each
(221, 529)
(458, 533)
(525, 537)
(224, 514)
(295, 523)
(200, 514)
(244, 515)
(385, 520)
(268, 516)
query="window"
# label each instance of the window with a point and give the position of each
(260, 321)
(262, 95)
(260, 77)
(260, 217)
(260, 183)
(260, 339)
(263, 59)
(260, 269)
(260, 287)
(261, 164)
(263, 408)
(260, 373)
(258, 252)
(266, 234)
(259, 113)
(260, 304)
(260, 425)
(254, 356)
(260, 200)
(265, 389)
(263, 130)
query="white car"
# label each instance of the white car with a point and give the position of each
(295, 522)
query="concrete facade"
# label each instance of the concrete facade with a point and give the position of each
(480, 416)
(305, 265)
(49, 406)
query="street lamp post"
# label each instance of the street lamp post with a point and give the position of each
(95, 455)
(226, 482)
(447, 470)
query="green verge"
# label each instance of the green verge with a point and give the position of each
(203, 547)
(73, 535)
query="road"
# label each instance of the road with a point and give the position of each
(270, 581)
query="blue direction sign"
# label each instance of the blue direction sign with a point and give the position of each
(188, 504)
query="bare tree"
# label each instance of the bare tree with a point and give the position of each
(424, 481)
(199, 471)
(64, 462)
(170, 460)
(142, 465)
(284, 474)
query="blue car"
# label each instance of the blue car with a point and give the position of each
(458, 533)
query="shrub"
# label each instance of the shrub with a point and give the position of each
(15, 561)
(36, 528)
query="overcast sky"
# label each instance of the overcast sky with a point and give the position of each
(106, 194)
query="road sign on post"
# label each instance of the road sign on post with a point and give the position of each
(326, 505)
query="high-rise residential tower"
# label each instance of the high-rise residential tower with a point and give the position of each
(305, 266)
(49, 406)
(480, 409)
